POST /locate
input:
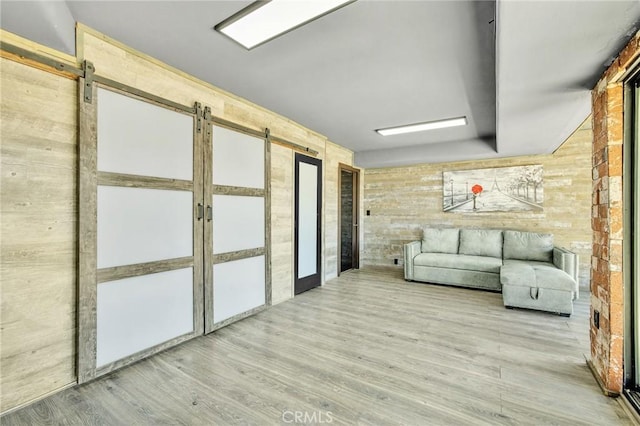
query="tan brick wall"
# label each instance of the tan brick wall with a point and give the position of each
(404, 199)
(607, 288)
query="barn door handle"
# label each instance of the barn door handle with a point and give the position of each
(200, 212)
(209, 213)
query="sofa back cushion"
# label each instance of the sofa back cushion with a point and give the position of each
(440, 240)
(528, 246)
(481, 242)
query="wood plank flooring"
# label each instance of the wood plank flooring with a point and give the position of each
(367, 348)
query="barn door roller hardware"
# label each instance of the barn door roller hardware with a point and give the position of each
(198, 108)
(88, 80)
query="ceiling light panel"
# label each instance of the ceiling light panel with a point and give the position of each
(421, 127)
(263, 21)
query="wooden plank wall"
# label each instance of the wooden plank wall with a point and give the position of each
(39, 202)
(38, 233)
(281, 224)
(404, 199)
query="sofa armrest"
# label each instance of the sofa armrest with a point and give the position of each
(568, 262)
(411, 250)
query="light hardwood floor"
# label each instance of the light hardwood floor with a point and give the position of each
(367, 348)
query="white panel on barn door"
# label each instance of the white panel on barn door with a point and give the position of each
(138, 225)
(239, 287)
(140, 312)
(238, 159)
(140, 138)
(238, 223)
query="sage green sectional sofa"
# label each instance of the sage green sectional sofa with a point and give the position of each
(525, 266)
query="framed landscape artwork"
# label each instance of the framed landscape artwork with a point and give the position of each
(503, 189)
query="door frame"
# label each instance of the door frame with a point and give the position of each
(355, 250)
(300, 285)
(631, 239)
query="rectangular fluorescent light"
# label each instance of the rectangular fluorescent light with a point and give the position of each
(262, 21)
(421, 127)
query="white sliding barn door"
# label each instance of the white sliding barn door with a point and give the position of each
(237, 274)
(145, 291)
(174, 225)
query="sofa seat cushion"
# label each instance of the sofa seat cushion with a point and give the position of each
(535, 274)
(481, 242)
(459, 261)
(528, 246)
(440, 240)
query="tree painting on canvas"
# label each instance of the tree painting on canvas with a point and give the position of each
(503, 189)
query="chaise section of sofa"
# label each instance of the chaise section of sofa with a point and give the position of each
(537, 275)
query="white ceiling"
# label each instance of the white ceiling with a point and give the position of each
(376, 64)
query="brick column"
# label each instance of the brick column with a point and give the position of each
(607, 288)
(606, 263)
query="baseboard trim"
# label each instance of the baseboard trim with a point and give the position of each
(596, 376)
(39, 398)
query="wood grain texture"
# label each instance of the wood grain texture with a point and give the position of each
(295, 147)
(237, 255)
(88, 245)
(238, 190)
(208, 225)
(16, 40)
(38, 230)
(198, 225)
(37, 64)
(149, 182)
(404, 199)
(267, 217)
(370, 349)
(139, 269)
(281, 223)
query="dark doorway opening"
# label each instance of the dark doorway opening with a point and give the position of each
(349, 185)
